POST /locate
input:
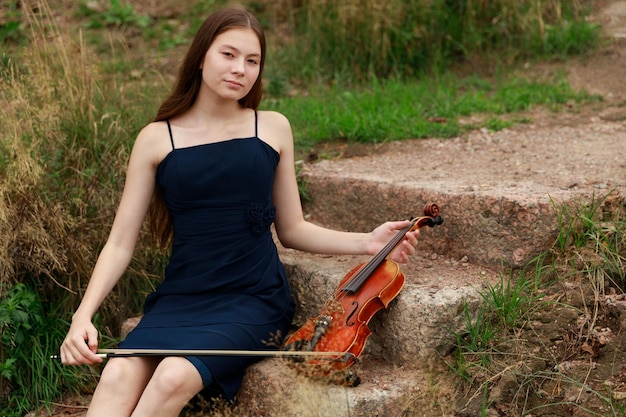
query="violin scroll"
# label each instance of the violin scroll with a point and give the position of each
(431, 217)
(431, 210)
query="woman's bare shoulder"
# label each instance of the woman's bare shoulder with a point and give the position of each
(274, 119)
(275, 128)
(154, 140)
(153, 131)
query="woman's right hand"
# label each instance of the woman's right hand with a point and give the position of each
(80, 344)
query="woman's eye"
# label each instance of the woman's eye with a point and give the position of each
(253, 61)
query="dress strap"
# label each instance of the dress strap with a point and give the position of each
(169, 128)
(256, 125)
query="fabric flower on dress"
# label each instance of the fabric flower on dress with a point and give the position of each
(260, 217)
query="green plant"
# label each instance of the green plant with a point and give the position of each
(18, 313)
(11, 31)
(495, 124)
(569, 38)
(510, 300)
(31, 332)
(505, 306)
(576, 225)
(168, 35)
(474, 345)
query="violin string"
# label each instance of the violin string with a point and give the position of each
(362, 274)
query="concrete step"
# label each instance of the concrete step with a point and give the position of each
(273, 388)
(419, 322)
(497, 194)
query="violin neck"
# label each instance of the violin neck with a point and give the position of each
(358, 279)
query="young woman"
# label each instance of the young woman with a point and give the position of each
(214, 173)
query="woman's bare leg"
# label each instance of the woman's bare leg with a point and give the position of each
(174, 382)
(121, 385)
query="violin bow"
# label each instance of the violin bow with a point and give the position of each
(112, 353)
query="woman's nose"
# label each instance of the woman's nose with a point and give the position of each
(238, 66)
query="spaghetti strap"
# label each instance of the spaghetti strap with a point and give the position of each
(169, 128)
(256, 125)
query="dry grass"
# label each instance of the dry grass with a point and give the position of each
(32, 226)
(62, 161)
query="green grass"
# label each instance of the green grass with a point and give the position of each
(428, 107)
(511, 300)
(116, 13)
(31, 332)
(364, 39)
(505, 306)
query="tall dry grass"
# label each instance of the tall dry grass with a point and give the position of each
(36, 91)
(62, 164)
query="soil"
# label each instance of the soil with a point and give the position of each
(586, 349)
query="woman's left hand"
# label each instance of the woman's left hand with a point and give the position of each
(386, 231)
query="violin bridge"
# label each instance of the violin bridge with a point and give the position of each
(334, 307)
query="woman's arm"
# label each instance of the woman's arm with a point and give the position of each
(295, 232)
(82, 339)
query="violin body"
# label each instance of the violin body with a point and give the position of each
(350, 314)
(342, 325)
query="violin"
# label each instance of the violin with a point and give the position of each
(342, 324)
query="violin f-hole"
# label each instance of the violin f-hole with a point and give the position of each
(356, 307)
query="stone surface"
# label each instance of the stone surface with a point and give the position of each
(272, 388)
(418, 323)
(496, 191)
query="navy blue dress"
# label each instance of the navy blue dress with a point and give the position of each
(224, 286)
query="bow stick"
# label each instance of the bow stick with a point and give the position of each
(111, 353)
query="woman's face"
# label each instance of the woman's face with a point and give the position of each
(231, 65)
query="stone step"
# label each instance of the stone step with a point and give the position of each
(496, 194)
(273, 388)
(485, 228)
(419, 322)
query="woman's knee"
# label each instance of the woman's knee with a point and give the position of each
(121, 373)
(177, 375)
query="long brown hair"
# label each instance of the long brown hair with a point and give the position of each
(186, 89)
